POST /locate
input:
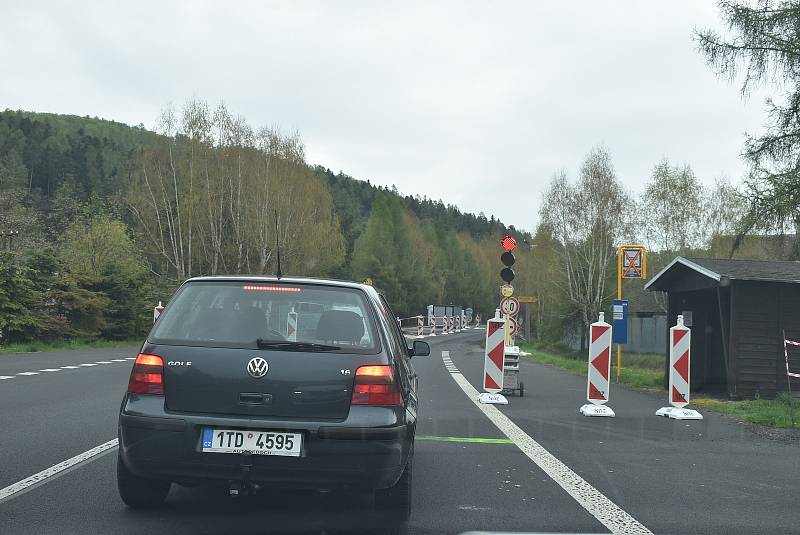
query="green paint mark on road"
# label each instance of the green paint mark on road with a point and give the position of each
(466, 439)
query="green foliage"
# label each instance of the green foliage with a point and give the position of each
(73, 343)
(111, 218)
(382, 251)
(92, 248)
(18, 300)
(565, 358)
(76, 308)
(763, 45)
(772, 412)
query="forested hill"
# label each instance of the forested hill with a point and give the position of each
(94, 200)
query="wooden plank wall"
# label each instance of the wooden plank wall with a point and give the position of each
(759, 311)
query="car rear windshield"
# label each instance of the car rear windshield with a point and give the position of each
(301, 317)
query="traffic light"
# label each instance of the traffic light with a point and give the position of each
(507, 258)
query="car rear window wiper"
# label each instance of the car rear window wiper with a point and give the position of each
(294, 346)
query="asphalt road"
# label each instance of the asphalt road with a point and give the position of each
(711, 476)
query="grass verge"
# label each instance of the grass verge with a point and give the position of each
(36, 346)
(646, 372)
(769, 412)
(638, 371)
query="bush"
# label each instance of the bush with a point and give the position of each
(560, 348)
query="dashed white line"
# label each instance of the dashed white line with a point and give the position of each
(595, 502)
(130, 358)
(41, 477)
(51, 370)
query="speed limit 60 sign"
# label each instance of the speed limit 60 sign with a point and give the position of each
(510, 306)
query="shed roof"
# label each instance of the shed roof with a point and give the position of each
(717, 268)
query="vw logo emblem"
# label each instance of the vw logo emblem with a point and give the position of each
(257, 367)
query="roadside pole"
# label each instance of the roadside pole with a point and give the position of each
(631, 264)
(619, 298)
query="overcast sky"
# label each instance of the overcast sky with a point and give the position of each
(474, 103)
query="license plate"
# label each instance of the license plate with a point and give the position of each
(255, 442)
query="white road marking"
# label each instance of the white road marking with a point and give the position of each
(595, 502)
(2, 377)
(130, 358)
(41, 477)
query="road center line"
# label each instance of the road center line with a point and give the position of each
(39, 478)
(595, 502)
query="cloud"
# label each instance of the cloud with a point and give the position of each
(474, 103)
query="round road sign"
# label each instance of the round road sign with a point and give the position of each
(507, 290)
(513, 327)
(509, 306)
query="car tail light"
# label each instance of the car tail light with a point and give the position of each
(147, 376)
(375, 385)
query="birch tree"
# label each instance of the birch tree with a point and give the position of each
(587, 217)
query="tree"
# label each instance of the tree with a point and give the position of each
(672, 209)
(763, 44)
(90, 249)
(18, 301)
(587, 218)
(724, 207)
(381, 250)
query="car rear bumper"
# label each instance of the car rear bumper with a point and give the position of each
(333, 455)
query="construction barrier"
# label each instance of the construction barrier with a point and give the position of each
(291, 326)
(786, 358)
(420, 326)
(157, 310)
(493, 363)
(457, 324)
(432, 325)
(445, 325)
(597, 382)
(680, 341)
(452, 326)
(789, 375)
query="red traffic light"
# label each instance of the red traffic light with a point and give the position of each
(508, 243)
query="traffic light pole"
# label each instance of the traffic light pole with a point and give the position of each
(619, 296)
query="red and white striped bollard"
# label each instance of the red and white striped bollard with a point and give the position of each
(597, 382)
(680, 344)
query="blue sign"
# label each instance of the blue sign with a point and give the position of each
(619, 313)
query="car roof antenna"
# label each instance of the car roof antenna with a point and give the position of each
(277, 247)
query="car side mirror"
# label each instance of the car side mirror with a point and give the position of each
(420, 349)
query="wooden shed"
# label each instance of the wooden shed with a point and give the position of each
(738, 311)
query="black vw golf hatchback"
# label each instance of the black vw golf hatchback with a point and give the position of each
(249, 382)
